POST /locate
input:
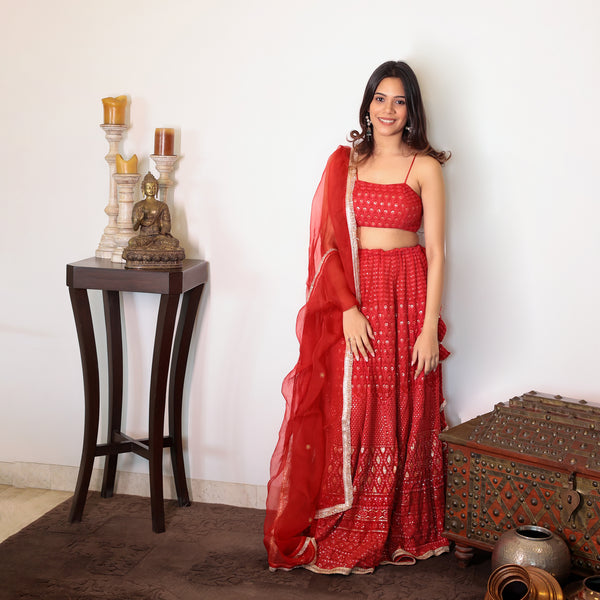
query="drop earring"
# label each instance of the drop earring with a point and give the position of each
(369, 132)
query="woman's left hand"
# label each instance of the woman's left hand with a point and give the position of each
(426, 352)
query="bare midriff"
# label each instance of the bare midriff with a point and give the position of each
(385, 238)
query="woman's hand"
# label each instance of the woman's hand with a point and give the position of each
(426, 351)
(358, 333)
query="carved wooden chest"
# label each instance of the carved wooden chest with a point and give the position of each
(532, 460)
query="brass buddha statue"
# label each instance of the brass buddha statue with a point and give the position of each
(154, 247)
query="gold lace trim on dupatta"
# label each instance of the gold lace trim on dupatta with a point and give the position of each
(348, 361)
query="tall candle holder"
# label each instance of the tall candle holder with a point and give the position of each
(125, 183)
(114, 134)
(165, 165)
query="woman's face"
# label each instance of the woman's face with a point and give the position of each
(388, 108)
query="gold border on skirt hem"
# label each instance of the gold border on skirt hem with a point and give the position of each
(362, 571)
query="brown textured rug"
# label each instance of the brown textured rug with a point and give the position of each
(208, 551)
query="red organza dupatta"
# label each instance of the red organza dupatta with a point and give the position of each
(298, 460)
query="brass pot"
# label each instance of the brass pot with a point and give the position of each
(514, 582)
(588, 589)
(531, 545)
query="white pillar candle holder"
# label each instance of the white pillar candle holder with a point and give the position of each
(165, 166)
(125, 184)
(114, 134)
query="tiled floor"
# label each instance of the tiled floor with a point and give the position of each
(21, 506)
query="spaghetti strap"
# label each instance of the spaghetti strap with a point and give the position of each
(409, 168)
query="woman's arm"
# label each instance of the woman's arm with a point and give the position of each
(426, 348)
(357, 330)
(358, 333)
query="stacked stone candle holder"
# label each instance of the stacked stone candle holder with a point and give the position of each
(126, 179)
(114, 127)
(164, 159)
(123, 179)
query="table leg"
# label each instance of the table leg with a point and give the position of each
(165, 327)
(91, 385)
(114, 344)
(181, 347)
(464, 554)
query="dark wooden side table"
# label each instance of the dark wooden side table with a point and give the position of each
(113, 278)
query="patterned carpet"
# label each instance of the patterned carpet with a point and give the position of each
(208, 551)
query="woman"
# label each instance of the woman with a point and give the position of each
(357, 476)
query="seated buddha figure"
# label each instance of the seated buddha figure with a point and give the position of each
(154, 247)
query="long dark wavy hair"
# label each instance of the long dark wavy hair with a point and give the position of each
(415, 132)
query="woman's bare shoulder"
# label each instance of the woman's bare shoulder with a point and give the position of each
(426, 162)
(427, 168)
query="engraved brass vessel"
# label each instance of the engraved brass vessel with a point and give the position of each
(531, 545)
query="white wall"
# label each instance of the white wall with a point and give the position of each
(262, 91)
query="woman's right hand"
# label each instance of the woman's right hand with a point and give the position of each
(358, 333)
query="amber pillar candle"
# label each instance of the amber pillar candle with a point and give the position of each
(164, 139)
(114, 110)
(127, 166)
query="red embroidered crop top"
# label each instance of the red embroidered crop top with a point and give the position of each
(394, 205)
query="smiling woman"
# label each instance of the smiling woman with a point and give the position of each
(388, 107)
(357, 476)
(404, 83)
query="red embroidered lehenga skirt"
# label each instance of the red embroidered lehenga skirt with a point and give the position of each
(390, 462)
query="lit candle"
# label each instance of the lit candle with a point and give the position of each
(163, 141)
(127, 166)
(114, 110)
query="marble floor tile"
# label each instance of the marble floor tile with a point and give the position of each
(21, 506)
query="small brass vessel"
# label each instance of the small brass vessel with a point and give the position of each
(587, 589)
(514, 582)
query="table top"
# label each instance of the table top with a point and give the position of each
(103, 274)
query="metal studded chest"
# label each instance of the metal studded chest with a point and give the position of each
(533, 460)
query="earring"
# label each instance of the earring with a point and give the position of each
(409, 130)
(369, 132)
